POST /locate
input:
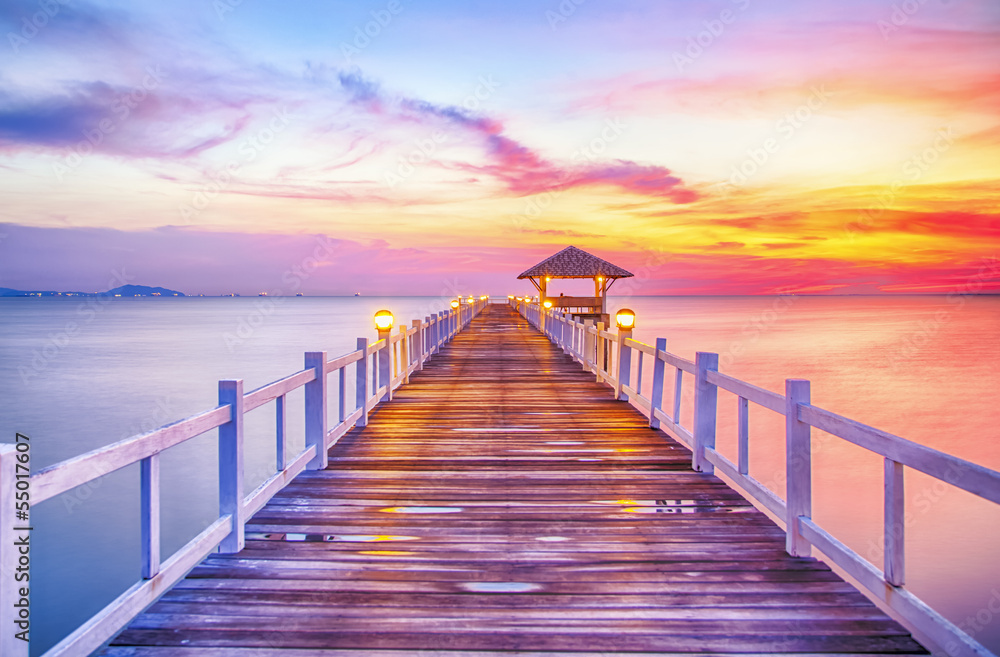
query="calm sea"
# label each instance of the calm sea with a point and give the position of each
(77, 374)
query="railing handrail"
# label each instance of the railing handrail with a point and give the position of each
(608, 355)
(404, 352)
(78, 470)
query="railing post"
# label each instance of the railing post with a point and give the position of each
(705, 410)
(418, 347)
(426, 333)
(743, 435)
(602, 352)
(659, 373)
(361, 382)
(149, 515)
(624, 364)
(12, 603)
(342, 394)
(678, 393)
(798, 465)
(895, 525)
(280, 433)
(588, 344)
(315, 415)
(231, 464)
(426, 336)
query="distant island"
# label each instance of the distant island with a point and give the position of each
(123, 291)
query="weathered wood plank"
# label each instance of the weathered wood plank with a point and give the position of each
(201, 651)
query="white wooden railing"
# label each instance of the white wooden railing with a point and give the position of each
(610, 355)
(379, 368)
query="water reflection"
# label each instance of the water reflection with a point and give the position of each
(889, 362)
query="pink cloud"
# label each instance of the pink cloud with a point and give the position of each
(521, 169)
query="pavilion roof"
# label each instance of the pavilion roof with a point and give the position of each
(572, 262)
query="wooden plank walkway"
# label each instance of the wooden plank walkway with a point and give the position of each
(505, 502)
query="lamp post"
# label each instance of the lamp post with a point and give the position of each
(383, 324)
(546, 305)
(600, 291)
(625, 320)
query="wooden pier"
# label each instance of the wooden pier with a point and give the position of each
(506, 501)
(502, 478)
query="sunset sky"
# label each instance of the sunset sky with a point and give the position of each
(430, 147)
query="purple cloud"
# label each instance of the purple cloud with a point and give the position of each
(56, 120)
(523, 170)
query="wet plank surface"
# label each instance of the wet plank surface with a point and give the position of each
(505, 502)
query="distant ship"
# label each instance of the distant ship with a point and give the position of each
(357, 294)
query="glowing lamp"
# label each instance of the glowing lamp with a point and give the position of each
(625, 319)
(547, 304)
(470, 300)
(454, 303)
(600, 279)
(510, 296)
(548, 278)
(383, 320)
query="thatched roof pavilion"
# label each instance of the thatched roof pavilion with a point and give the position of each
(572, 262)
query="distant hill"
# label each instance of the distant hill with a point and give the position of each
(141, 291)
(123, 291)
